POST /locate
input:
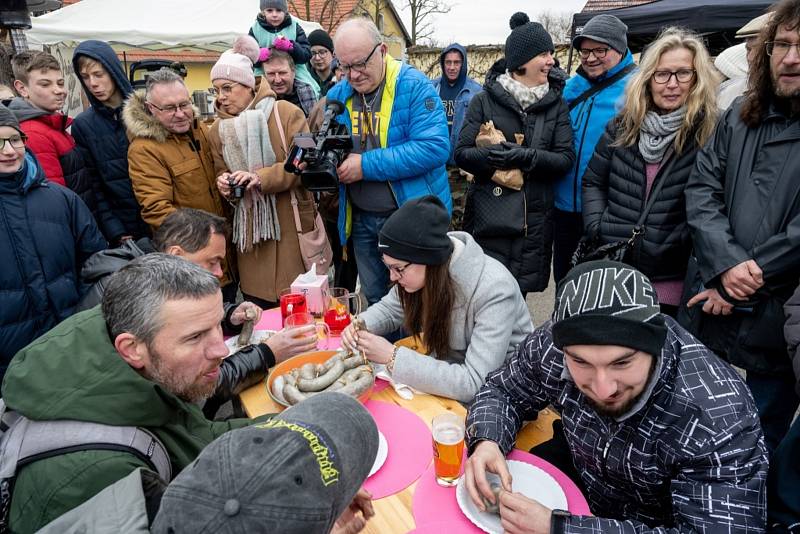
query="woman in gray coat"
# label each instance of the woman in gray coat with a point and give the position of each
(465, 305)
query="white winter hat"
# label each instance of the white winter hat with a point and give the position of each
(237, 64)
(732, 62)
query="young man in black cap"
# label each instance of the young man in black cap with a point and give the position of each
(663, 433)
(594, 96)
(322, 60)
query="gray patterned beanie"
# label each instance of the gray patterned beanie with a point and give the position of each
(608, 303)
(276, 4)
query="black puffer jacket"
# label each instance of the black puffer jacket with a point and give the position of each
(614, 197)
(100, 133)
(527, 257)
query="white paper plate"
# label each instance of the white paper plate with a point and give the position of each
(258, 336)
(380, 458)
(526, 479)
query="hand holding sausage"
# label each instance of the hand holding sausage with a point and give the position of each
(375, 348)
(485, 457)
(240, 314)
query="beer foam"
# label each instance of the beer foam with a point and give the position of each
(448, 434)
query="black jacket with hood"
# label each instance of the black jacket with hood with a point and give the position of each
(100, 133)
(527, 257)
(742, 203)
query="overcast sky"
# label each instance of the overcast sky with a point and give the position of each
(486, 21)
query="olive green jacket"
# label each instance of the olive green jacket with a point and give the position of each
(74, 372)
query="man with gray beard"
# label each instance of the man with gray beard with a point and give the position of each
(144, 358)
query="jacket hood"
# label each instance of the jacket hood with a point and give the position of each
(74, 372)
(493, 87)
(462, 74)
(140, 123)
(107, 262)
(29, 175)
(263, 90)
(24, 110)
(105, 55)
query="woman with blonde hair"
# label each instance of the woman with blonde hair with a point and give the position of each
(650, 147)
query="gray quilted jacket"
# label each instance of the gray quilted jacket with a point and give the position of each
(688, 457)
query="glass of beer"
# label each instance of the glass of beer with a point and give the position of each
(304, 319)
(448, 448)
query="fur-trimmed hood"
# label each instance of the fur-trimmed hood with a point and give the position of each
(140, 123)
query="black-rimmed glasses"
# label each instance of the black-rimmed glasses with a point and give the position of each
(361, 65)
(398, 269)
(682, 75)
(16, 141)
(599, 52)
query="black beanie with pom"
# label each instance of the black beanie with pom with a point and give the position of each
(527, 40)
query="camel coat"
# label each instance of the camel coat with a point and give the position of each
(170, 171)
(273, 265)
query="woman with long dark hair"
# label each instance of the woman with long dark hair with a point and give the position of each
(465, 306)
(670, 111)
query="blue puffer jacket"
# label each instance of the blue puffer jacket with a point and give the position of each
(416, 148)
(100, 133)
(470, 89)
(589, 120)
(47, 233)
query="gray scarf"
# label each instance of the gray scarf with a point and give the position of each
(524, 95)
(657, 133)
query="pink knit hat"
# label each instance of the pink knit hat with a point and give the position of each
(237, 64)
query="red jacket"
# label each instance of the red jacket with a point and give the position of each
(49, 140)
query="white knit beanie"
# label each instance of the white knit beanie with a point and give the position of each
(237, 64)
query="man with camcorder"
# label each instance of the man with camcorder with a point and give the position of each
(398, 129)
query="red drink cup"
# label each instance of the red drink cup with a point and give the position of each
(292, 303)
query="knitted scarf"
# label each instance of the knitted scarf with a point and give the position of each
(657, 133)
(524, 95)
(246, 146)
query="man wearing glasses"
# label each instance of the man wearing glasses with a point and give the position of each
(743, 211)
(594, 96)
(169, 157)
(322, 60)
(400, 144)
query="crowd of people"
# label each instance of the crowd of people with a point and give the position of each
(661, 190)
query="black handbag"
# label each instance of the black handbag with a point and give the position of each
(499, 211)
(589, 249)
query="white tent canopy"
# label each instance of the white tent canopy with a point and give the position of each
(152, 24)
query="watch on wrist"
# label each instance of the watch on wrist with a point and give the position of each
(558, 521)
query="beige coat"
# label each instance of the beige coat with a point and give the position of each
(273, 265)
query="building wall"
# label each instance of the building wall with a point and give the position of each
(392, 32)
(480, 59)
(198, 76)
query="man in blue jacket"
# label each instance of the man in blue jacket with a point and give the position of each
(400, 144)
(456, 90)
(100, 133)
(594, 96)
(48, 232)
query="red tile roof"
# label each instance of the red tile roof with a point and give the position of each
(185, 56)
(331, 13)
(602, 5)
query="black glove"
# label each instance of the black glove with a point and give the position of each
(512, 156)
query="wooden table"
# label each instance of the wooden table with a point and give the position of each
(393, 513)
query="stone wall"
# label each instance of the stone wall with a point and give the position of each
(480, 59)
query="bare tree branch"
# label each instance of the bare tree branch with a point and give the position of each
(421, 21)
(558, 24)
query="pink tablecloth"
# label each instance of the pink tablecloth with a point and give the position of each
(433, 503)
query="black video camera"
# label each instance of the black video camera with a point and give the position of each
(322, 151)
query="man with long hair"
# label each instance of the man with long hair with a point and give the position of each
(743, 212)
